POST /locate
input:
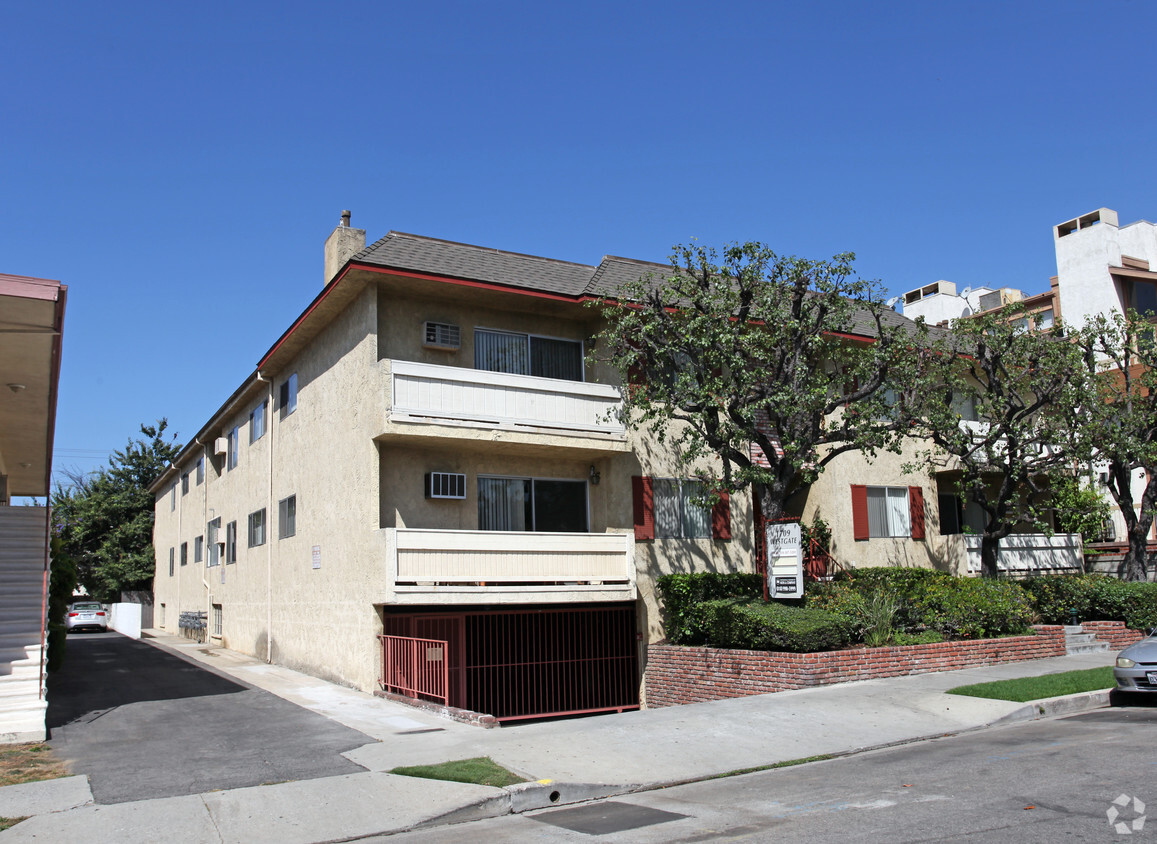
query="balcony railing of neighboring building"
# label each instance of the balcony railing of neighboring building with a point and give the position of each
(484, 566)
(423, 392)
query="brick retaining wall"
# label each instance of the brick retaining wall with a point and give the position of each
(1114, 632)
(677, 675)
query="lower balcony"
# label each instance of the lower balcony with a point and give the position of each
(485, 567)
(1022, 553)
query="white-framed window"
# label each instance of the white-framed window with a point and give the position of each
(200, 470)
(287, 517)
(528, 354)
(172, 569)
(677, 516)
(162, 614)
(257, 528)
(184, 483)
(230, 543)
(257, 423)
(173, 498)
(198, 549)
(213, 530)
(233, 453)
(538, 504)
(287, 396)
(217, 620)
(184, 553)
(888, 511)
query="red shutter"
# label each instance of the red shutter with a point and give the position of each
(721, 517)
(643, 491)
(859, 512)
(916, 506)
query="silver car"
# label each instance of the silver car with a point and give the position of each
(86, 615)
(1136, 669)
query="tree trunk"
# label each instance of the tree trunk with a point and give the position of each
(989, 551)
(1135, 564)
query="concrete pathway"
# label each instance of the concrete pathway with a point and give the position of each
(567, 760)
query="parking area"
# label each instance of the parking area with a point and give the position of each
(142, 723)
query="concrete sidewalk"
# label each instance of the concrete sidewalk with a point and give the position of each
(566, 760)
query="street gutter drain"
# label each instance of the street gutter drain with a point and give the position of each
(605, 818)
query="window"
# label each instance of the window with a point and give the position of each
(956, 516)
(257, 528)
(257, 423)
(287, 396)
(230, 543)
(216, 620)
(1142, 296)
(676, 514)
(526, 354)
(198, 549)
(1044, 319)
(664, 508)
(162, 615)
(287, 517)
(200, 470)
(185, 483)
(171, 568)
(173, 498)
(964, 406)
(213, 529)
(532, 504)
(887, 511)
(234, 436)
(184, 553)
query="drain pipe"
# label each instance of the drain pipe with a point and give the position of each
(268, 524)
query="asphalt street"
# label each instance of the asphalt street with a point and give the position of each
(1043, 781)
(144, 723)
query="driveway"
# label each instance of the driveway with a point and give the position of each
(143, 723)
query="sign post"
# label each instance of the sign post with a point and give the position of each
(784, 560)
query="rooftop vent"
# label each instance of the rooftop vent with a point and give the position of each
(1101, 215)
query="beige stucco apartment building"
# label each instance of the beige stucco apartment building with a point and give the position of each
(427, 453)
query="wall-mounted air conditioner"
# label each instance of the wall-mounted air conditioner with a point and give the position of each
(445, 485)
(441, 335)
(220, 446)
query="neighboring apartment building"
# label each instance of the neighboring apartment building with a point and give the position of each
(427, 453)
(31, 333)
(1102, 268)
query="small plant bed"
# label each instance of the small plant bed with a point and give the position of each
(21, 763)
(480, 771)
(5, 823)
(1024, 689)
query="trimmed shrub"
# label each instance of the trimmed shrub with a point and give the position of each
(974, 608)
(681, 592)
(1094, 597)
(747, 624)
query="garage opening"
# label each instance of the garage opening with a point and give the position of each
(518, 664)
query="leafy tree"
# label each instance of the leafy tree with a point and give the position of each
(994, 402)
(759, 349)
(1078, 507)
(1119, 424)
(105, 520)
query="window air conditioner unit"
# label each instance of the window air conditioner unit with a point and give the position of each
(445, 485)
(442, 335)
(220, 446)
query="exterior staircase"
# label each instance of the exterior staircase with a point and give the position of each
(22, 699)
(1077, 641)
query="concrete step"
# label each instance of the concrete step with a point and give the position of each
(16, 686)
(21, 638)
(26, 724)
(1091, 648)
(21, 703)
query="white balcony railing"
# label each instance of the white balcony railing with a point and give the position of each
(424, 392)
(1024, 552)
(514, 565)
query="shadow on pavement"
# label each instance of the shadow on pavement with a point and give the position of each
(106, 670)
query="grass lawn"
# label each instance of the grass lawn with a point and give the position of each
(1025, 689)
(20, 763)
(481, 771)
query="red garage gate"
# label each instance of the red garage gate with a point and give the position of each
(513, 664)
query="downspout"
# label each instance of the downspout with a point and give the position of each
(205, 548)
(269, 533)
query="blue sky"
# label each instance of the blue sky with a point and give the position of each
(180, 165)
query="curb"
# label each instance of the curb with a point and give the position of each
(1054, 706)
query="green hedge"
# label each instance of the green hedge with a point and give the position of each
(750, 624)
(1095, 597)
(681, 592)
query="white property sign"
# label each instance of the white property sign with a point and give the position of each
(784, 561)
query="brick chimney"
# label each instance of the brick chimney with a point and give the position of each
(342, 244)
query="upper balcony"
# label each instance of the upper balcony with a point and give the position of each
(451, 402)
(484, 567)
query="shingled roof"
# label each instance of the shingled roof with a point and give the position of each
(398, 250)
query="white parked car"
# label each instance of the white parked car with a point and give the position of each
(86, 615)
